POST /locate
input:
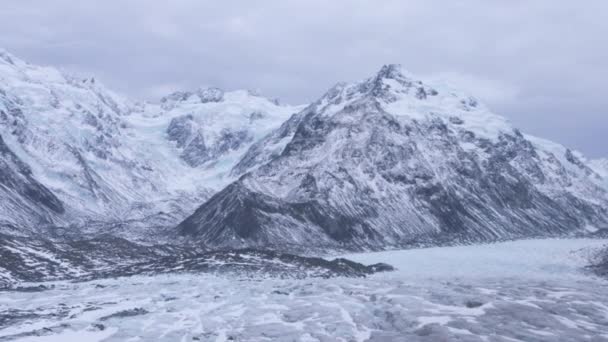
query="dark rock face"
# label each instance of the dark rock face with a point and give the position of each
(196, 153)
(201, 96)
(231, 140)
(189, 136)
(361, 177)
(181, 129)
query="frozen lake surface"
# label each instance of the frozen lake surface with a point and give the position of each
(534, 290)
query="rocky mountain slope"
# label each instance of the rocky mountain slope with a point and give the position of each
(74, 154)
(392, 161)
(40, 259)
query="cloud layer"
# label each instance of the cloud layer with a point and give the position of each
(542, 63)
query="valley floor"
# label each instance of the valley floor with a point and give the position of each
(534, 290)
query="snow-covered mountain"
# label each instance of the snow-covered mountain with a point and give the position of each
(76, 154)
(392, 161)
(384, 162)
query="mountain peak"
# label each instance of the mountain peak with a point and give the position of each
(392, 71)
(211, 94)
(391, 84)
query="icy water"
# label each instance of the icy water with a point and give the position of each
(531, 290)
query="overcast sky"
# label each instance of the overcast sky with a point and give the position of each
(541, 63)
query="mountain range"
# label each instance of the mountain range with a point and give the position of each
(78, 158)
(386, 162)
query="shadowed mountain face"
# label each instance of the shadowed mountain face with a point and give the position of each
(391, 161)
(22, 195)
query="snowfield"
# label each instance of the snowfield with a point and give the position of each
(523, 259)
(534, 290)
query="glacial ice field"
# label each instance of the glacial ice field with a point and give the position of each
(532, 290)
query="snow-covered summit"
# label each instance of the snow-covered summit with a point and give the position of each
(402, 94)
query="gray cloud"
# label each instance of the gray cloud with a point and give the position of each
(542, 63)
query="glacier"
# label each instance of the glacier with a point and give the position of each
(527, 290)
